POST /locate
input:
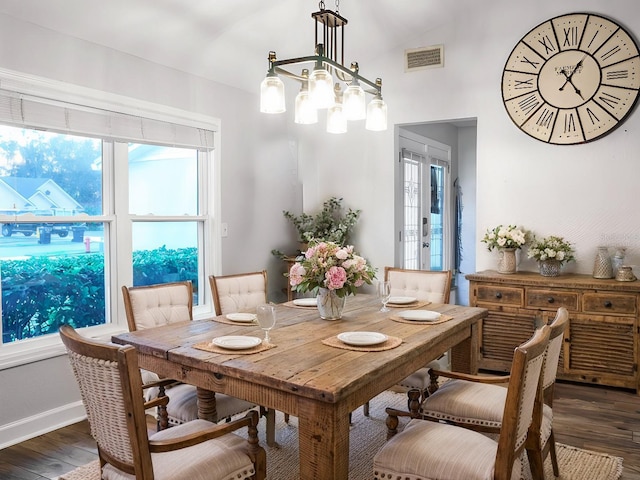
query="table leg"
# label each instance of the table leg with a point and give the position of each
(323, 439)
(207, 405)
(464, 356)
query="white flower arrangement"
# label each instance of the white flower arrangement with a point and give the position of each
(508, 236)
(551, 248)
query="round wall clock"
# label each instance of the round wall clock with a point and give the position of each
(572, 79)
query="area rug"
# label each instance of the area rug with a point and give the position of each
(368, 435)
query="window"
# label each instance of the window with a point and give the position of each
(92, 198)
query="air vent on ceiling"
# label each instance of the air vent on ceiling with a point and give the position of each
(424, 57)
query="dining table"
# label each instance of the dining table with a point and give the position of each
(307, 371)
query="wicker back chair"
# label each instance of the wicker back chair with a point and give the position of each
(438, 451)
(111, 389)
(155, 305)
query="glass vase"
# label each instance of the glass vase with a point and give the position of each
(550, 267)
(330, 305)
(507, 263)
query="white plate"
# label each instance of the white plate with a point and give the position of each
(306, 302)
(402, 300)
(236, 342)
(362, 338)
(242, 317)
(420, 315)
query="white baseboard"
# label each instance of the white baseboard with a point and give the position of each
(30, 427)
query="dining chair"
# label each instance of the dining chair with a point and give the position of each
(477, 402)
(111, 388)
(441, 451)
(424, 285)
(243, 292)
(151, 306)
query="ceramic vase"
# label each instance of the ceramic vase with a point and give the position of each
(550, 267)
(602, 267)
(330, 305)
(507, 263)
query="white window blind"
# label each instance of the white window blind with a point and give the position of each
(30, 111)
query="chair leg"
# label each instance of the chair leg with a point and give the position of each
(271, 426)
(554, 456)
(365, 409)
(536, 463)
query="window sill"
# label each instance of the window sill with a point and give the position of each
(37, 349)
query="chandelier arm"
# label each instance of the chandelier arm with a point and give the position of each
(377, 89)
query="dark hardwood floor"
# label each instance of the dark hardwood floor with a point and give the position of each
(595, 418)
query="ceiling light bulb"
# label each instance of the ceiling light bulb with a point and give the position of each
(305, 111)
(354, 102)
(321, 88)
(336, 121)
(376, 115)
(272, 95)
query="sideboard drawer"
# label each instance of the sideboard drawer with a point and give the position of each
(609, 303)
(552, 299)
(500, 295)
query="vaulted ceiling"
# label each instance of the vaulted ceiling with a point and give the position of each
(228, 40)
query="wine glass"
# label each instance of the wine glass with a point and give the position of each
(266, 319)
(384, 293)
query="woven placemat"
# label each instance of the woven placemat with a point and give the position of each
(416, 304)
(210, 347)
(391, 342)
(237, 324)
(442, 319)
(293, 305)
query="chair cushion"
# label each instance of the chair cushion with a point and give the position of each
(183, 405)
(153, 307)
(223, 458)
(462, 401)
(427, 450)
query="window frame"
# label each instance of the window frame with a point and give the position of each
(115, 196)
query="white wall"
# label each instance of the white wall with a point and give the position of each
(585, 193)
(256, 157)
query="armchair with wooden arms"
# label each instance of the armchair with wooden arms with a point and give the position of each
(439, 451)
(476, 402)
(111, 388)
(155, 305)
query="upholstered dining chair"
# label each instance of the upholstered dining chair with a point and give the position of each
(439, 451)
(155, 305)
(477, 402)
(111, 388)
(424, 285)
(243, 292)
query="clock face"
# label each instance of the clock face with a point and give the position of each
(572, 79)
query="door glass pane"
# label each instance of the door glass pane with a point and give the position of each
(437, 217)
(412, 207)
(49, 273)
(163, 180)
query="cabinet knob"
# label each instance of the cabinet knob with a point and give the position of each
(608, 304)
(550, 300)
(498, 295)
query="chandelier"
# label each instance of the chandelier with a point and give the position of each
(318, 89)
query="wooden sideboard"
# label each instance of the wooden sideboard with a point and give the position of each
(601, 342)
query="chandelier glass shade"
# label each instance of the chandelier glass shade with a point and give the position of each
(322, 89)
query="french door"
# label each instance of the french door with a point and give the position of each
(425, 236)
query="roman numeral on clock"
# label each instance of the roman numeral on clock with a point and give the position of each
(570, 37)
(569, 123)
(529, 103)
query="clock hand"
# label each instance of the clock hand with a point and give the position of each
(570, 75)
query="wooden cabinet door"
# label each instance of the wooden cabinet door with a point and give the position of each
(500, 334)
(601, 349)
